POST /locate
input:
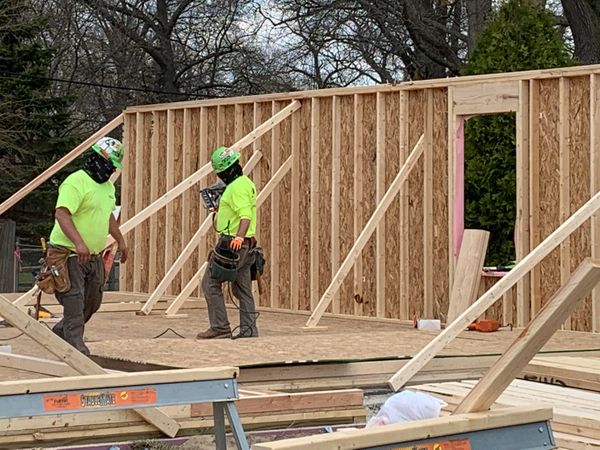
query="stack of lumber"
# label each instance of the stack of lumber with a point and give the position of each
(576, 421)
(568, 371)
(257, 409)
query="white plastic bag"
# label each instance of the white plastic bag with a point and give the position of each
(407, 406)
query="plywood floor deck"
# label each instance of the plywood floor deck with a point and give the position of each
(129, 337)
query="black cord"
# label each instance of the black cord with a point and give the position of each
(245, 328)
(166, 331)
(11, 338)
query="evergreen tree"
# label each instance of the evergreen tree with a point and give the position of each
(33, 122)
(520, 36)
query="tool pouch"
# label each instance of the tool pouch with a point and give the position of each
(223, 264)
(54, 273)
(257, 269)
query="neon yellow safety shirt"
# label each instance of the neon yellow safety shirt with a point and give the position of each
(237, 202)
(90, 205)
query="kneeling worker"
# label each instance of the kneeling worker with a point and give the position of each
(236, 224)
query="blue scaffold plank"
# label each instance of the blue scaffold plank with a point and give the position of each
(530, 436)
(115, 398)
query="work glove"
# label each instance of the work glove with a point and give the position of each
(236, 243)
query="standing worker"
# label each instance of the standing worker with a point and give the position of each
(233, 256)
(84, 217)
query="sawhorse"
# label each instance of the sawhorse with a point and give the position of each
(130, 391)
(520, 428)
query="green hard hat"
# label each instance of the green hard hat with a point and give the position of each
(223, 158)
(112, 149)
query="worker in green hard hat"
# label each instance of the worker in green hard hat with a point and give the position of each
(234, 254)
(83, 219)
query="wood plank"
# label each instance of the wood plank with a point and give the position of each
(295, 234)
(428, 275)
(136, 249)
(380, 191)
(533, 338)
(336, 167)
(595, 186)
(490, 297)
(258, 182)
(186, 208)
(274, 297)
(468, 272)
(170, 250)
(154, 174)
(523, 205)
(122, 425)
(82, 364)
(285, 402)
(360, 243)
(404, 234)
(203, 156)
(564, 192)
(452, 128)
(58, 165)
(524, 307)
(314, 203)
(36, 365)
(412, 431)
(486, 98)
(358, 201)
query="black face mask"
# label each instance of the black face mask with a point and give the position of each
(99, 168)
(231, 173)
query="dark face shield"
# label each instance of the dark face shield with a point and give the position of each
(99, 168)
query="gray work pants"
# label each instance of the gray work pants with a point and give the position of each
(241, 288)
(81, 301)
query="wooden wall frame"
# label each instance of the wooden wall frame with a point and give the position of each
(348, 143)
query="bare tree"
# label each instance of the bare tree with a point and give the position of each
(342, 41)
(583, 17)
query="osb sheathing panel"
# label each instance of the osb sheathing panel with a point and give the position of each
(579, 187)
(416, 128)
(440, 203)
(392, 218)
(549, 189)
(325, 130)
(346, 205)
(128, 198)
(369, 201)
(266, 171)
(145, 246)
(303, 228)
(159, 250)
(284, 195)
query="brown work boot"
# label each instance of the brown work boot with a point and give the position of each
(214, 334)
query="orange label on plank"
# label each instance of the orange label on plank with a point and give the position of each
(100, 399)
(463, 444)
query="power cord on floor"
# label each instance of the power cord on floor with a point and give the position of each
(166, 331)
(245, 330)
